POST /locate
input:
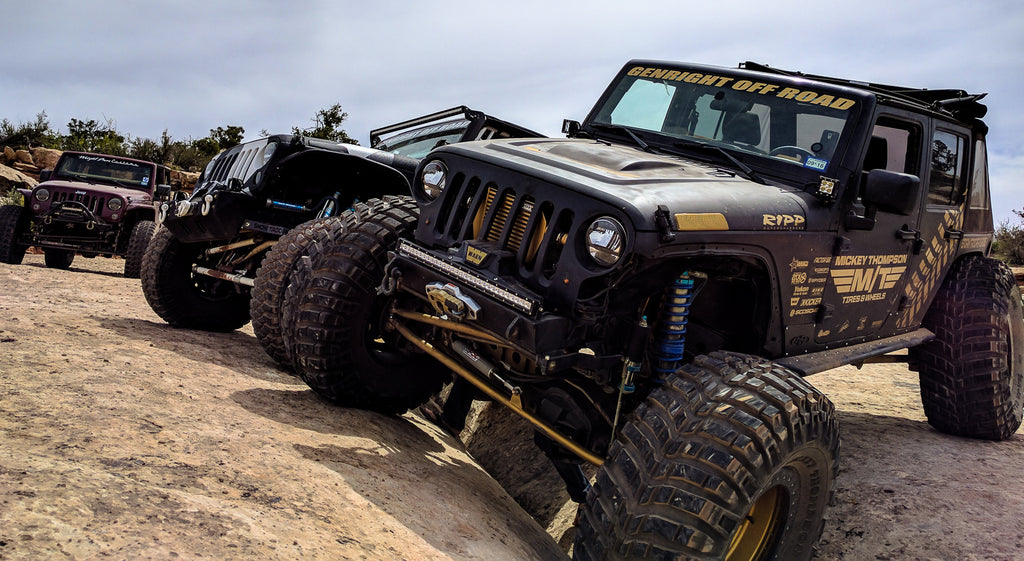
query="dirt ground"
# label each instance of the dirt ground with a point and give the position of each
(124, 438)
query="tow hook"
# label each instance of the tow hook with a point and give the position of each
(207, 203)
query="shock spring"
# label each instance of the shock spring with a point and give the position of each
(670, 335)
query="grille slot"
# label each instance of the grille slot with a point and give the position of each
(518, 227)
(501, 215)
(483, 209)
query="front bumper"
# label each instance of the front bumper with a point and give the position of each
(72, 226)
(492, 305)
(216, 216)
(508, 313)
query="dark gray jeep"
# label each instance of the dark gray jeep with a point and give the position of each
(89, 204)
(651, 292)
(217, 261)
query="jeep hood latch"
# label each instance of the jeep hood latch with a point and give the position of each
(664, 222)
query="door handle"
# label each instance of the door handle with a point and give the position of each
(954, 235)
(907, 233)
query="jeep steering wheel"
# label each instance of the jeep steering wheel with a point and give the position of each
(803, 153)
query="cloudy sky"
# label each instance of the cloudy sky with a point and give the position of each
(189, 66)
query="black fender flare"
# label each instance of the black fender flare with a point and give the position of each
(363, 178)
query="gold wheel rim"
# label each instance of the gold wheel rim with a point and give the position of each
(758, 529)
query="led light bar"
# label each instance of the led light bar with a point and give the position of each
(407, 249)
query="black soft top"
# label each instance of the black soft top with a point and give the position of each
(955, 103)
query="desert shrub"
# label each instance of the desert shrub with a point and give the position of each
(12, 197)
(1009, 242)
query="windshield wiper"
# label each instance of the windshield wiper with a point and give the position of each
(619, 128)
(118, 183)
(745, 170)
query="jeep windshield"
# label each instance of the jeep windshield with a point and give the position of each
(708, 111)
(94, 168)
(417, 142)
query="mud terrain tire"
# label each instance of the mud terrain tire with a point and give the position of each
(142, 232)
(341, 348)
(735, 457)
(972, 373)
(184, 299)
(13, 221)
(275, 274)
(58, 258)
(289, 307)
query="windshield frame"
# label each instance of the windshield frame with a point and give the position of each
(449, 132)
(790, 97)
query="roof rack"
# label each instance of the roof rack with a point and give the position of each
(956, 103)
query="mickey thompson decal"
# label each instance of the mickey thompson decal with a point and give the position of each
(866, 284)
(861, 283)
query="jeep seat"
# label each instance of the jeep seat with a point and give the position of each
(744, 128)
(878, 154)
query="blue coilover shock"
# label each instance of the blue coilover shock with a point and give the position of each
(670, 335)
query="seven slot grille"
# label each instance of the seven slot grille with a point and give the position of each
(534, 231)
(92, 202)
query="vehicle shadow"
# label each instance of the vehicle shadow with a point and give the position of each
(235, 350)
(77, 268)
(410, 470)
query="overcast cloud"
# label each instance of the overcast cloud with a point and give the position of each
(187, 67)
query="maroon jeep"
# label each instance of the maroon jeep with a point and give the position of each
(90, 204)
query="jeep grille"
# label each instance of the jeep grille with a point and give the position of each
(240, 164)
(535, 231)
(94, 203)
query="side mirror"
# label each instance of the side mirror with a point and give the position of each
(162, 192)
(570, 128)
(891, 191)
(45, 175)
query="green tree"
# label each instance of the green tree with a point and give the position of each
(328, 125)
(1009, 242)
(91, 136)
(227, 137)
(207, 146)
(144, 149)
(29, 135)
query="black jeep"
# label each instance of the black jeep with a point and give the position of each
(216, 261)
(90, 204)
(650, 293)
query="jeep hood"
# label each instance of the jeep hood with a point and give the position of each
(637, 182)
(96, 188)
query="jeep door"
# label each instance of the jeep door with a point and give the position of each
(879, 240)
(940, 227)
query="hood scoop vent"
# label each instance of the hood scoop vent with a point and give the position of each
(599, 155)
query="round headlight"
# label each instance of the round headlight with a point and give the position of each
(606, 239)
(115, 204)
(434, 176)
(42, 195)
(268, 152)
